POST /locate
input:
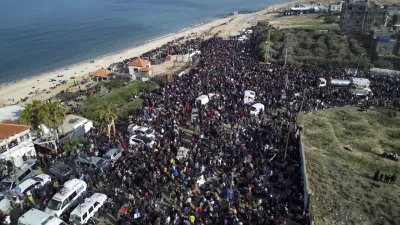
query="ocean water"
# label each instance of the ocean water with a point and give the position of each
(44, 35)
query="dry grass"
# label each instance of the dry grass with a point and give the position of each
(341, 181)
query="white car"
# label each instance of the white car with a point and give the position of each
(142, 131)
(136, 140)
(38, 181)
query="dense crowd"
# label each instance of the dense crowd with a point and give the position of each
(251, 164)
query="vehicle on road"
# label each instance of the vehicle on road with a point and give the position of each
(67, 197)
(37, 217)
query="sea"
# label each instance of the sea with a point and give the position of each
(44, 35)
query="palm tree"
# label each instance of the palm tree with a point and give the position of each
(53, 115)
(31, 114)
(107, 115)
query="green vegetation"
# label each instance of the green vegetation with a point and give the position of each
(120, 101)
(73, 144)
(384, 64)
(342, 149)
(51, 115)
(326, 49)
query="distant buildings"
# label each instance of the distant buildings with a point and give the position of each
(306, 9)
(140, 69)
(335, 9)
(366, 16)
(101, 75)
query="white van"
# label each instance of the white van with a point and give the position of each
(202, 100)
(26, 171)
(249, 97)
(83, 212)
(66, 197)
(256, 109)
(37, 217)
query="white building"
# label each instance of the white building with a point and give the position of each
(15, 140)
(335, 8)
(140, 69)
(74, 126)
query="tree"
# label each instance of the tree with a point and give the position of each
(31, 114)
(276, 36)
(107, 115)
(53, 115)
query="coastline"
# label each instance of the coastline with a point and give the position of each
(21, 88)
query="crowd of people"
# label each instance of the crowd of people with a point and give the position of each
(239, 168)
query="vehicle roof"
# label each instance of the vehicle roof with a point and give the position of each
(201, 97)
(69, 187)
(83, 208)
(26, 165)
(112, 151)
(35, 216)
(26, 183)
(43, 176)
(59, 166)
(249, 92)
(90, 159)
(258, 105)
(140, 137)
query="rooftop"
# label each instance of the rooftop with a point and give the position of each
(11, 113)
(138, 62)
(101, 73)
(10, 128)
(72, 122)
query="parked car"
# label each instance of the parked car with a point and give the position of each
(136, 140)
(61, 171)
(113, 154)
(38, 181)
(92, 163)
(25, 172)
(142, 131)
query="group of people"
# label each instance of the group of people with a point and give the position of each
(238, 168)
(385, 177)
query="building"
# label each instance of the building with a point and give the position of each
(15, 140)
(385, 45)
(362, 16)
(140, 69)
(335, 9)
(74, 126)
(101, 75)
(12, 113)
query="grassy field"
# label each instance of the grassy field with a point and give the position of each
(305, 21)
(341, 181)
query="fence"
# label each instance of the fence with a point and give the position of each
(304, 173)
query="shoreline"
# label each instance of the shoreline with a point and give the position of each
(20, 89)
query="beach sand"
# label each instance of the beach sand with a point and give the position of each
(223, 27)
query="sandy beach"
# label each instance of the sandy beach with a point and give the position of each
(224, 27)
